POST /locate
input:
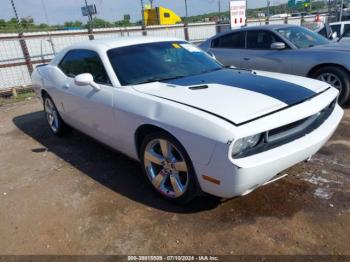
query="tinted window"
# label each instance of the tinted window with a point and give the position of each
(234, 40)
(302, 37)
(336, 28)
(160, 61)
(261, 39)
(347, 30)
(78, 62)
(323, 32)
(167, 15)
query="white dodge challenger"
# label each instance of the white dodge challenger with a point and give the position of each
(195, 125)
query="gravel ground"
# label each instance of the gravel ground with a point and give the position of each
(73, 195)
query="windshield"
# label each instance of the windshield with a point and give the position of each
(302, 37)
(159, 61)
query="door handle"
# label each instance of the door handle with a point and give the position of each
(246, 58)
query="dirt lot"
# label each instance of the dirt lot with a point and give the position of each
(75, 196)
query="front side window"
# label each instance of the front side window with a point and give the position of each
(232, 40)
(159, 61)
(346, 30)
(336, 28)
(81, 61)
(261, 39)
(302, 37)
(166, 15)
(323, 32)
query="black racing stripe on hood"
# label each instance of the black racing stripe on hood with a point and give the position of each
(245, 122)
(284, 91)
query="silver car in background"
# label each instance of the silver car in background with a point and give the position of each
(285, 49)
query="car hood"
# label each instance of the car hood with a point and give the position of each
(333, 46)
(236, 95)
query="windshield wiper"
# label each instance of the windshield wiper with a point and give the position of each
(159, 79)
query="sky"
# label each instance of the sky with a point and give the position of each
(59, 11)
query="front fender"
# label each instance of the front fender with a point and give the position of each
(197, 131)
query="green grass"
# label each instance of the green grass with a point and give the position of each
(20, 97)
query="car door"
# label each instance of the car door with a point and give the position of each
(85, 107)
(229, 48)
(259, 55)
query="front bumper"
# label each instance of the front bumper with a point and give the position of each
(241, 176)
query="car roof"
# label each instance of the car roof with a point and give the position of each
(268, 27)
(339, 23)
(257, 27)
(120, 41)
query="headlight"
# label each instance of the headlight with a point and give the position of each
(245, 143)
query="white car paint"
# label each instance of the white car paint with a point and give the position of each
(113, 114)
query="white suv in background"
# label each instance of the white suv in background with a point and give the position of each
(341, 28)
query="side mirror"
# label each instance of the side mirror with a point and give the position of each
(86, 80)
(334, 35)
(278, 46)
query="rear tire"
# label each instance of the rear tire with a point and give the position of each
(168, 168)
(337, 77)
(56, 124)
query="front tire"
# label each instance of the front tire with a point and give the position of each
(168, 168)
(56, 124)
(338, 78)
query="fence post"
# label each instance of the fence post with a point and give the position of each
(14, 92)
(266, 20)
(218, 27)
(144, 31)
(302, 20)
(286, 20)
(25, 52)
(90, 33)
(187, 37)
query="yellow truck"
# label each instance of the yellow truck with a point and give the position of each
(160, 16)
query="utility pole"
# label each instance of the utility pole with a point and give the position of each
(144, 32)
(341, 10)
(151, 2)
(268, 8)
(22, 41)
(219, 3)
(185, 23)
(91, 36)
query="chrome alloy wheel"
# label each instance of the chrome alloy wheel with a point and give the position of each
(166, 168)
(331, 79)
(51, 115)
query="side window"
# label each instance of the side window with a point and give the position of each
(77, 62)
(166, 15)
(323, 32)
(347, 30)
(336, 28)
(261, 39)
(233, 40)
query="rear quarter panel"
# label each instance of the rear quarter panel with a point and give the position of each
(305, 60)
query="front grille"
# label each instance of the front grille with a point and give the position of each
(300, 127)
(287, 133)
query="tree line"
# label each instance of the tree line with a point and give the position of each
(28, 23)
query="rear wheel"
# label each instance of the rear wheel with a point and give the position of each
(168, 168)
(56, 124)
(336, 77)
